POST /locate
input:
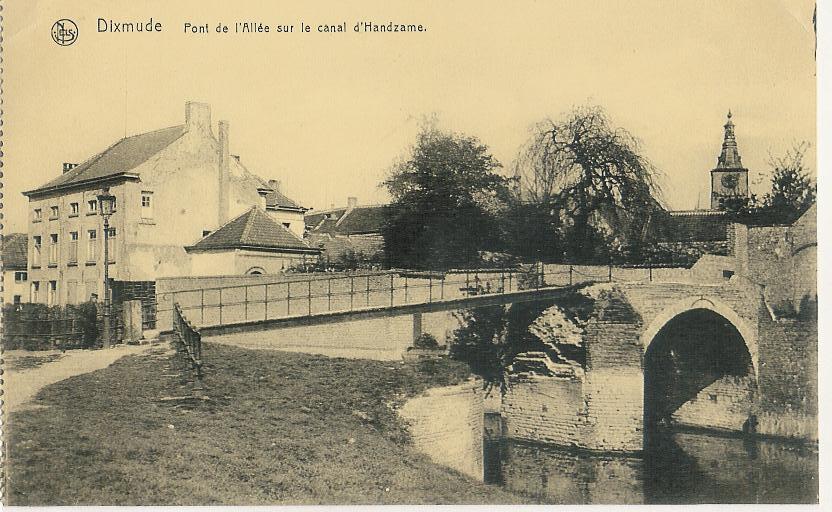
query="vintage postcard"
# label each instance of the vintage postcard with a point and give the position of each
(375, 253)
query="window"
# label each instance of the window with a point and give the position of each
(72, 256)
(35, 291)
(53, 212)
(111, 246)
(74, 209)
(36, 246)
(71, 292)
(53, 249)
(287, 224)
(92, 290)
(147, 205)
(37, 215)
(206, 232)
(92, 245)
(52, 297)
(92, 206)
(17, 299)
(21, 277)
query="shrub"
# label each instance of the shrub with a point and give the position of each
(426, 341)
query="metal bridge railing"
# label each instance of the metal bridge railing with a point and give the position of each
(345, 293)
(189, 345)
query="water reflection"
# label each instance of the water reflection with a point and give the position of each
(676, 467)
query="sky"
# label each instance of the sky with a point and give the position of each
(327, 114)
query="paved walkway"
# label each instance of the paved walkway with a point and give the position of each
(20, 386)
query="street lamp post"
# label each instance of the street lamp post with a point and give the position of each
(105, 208)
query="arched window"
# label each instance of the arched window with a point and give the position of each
(255, 271)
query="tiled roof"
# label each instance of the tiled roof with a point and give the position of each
(361, 219)
(276, 199)
(343, 221)
(123, 156)
(15, 251)
(253, 229)
(690, 226)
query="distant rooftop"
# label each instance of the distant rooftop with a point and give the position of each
(253, 230)
(15, 251)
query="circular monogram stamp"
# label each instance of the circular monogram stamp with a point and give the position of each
(64, 32)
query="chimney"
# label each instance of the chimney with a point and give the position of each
(263, 192)
(198, 116)
(352, 202)
(224, 163)
(68, 166)
(276, 185)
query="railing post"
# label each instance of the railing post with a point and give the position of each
(467, 283)
(442, 287)
(391, 290)
(510, 274)
(430, 288)
(245, 302)
(610, 273)
(266, 301)
(405, 287)
(329, 294)
(368, 290)
(650, 272)
(220, 306)
(288, 298)
(202, 306)
(502, 280)
(309, 297)
(352, 291)
(570, 275)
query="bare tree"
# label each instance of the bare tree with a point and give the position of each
(590, 173)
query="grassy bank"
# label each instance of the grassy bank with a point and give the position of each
(279, 428)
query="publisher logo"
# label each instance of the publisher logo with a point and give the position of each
(64, 32)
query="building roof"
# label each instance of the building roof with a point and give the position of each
(15, 251)
(690, 226)
(120, 158)
(347, 221)
(277, 200)
(729, 159)
(255, 230)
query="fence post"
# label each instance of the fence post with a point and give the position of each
(266, 301)
(442, 287)
(368, 290)
(570, 275)
(352, 291)
(329, 294)
(309, 297)
(405, 287)
(650, 272)
(245, 302)
(202, 306)
(391, 290)
(610, 273)
(288, 298)
(467, 283)
(220, 306)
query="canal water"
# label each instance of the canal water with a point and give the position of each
(677, 468)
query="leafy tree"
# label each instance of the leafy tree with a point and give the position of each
(591, 179)
(447, 198)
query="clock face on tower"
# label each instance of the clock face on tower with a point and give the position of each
(730, 181)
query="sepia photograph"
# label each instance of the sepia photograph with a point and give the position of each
(399, 253)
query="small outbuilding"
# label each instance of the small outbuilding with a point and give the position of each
(252, 243)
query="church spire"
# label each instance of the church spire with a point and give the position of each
(730, 156)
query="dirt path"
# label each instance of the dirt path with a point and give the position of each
(20, 385)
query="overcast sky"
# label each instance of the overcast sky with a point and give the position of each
(327, 114)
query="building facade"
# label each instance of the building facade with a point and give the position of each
(172, 187)
(15, 271)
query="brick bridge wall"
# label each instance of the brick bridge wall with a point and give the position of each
(603, 408)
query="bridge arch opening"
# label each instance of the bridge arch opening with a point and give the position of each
(698, 371)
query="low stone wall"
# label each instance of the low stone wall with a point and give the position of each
(447, 424)
(384, 339)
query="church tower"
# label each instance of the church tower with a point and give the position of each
(729, 179)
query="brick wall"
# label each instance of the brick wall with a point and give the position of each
(724, 404)
(544, 409)
(447, 424)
